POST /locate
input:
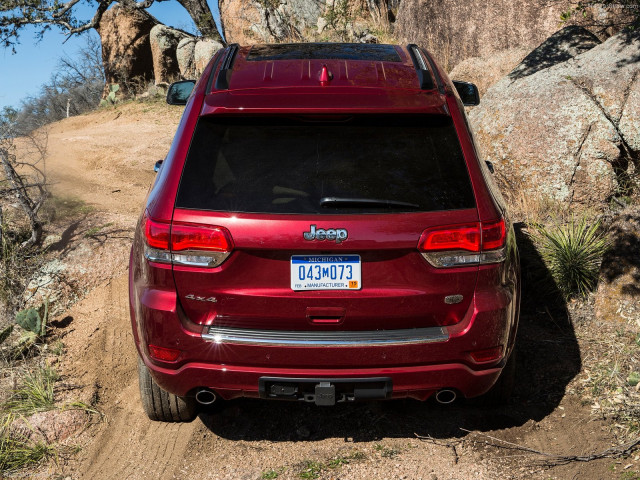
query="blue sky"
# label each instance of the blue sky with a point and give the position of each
(22, 73)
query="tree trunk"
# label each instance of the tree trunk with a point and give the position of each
(379, 10)
(29, 208)
(203, 18)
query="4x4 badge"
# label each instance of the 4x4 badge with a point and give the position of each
(191, 296)
(337, 234)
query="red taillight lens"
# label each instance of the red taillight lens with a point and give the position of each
(493, 235)
(200, 238)
(452, 237)
(164, 354)
(156, 233)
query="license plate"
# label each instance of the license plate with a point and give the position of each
(325, 272)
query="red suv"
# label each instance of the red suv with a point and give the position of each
(322, 230)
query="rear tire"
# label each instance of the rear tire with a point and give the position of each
(501, 391)
(160, 405)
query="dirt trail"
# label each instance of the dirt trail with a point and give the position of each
(105, 159)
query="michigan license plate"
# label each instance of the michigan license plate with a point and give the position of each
(325, 272)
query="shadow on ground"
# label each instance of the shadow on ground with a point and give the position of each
(548, 358)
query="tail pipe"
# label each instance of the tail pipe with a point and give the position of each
(446, 396)
(205, 396)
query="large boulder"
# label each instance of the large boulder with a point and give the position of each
(185, 54)
(559, 47)
(570, 131)
(203, 51)
(486, 71)
(126, 49)
(164, 43)
(618, 295)
(454, 30)
(275, 21)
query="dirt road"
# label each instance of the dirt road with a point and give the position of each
(105, 160)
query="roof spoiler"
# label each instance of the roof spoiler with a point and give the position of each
(224, 77)
(424, 75)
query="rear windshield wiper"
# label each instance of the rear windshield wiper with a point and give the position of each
(364, 202)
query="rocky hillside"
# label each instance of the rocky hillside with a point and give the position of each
(565, 123)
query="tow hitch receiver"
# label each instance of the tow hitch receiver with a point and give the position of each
(325, 394)
(325, 391)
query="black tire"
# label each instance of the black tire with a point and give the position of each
(501, 391)
(160, 405)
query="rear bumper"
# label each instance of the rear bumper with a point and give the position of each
(235, 381)
(232, 367)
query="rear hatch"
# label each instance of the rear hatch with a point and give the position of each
(322, 217)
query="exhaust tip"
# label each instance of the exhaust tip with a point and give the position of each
(446, 396)
(205, 397)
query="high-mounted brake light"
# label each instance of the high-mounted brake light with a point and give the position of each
(186, 243)
(467, 244)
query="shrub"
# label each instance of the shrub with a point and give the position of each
(572, 253)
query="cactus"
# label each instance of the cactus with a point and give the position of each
(110, 99)
(30, 320)
(4, 334)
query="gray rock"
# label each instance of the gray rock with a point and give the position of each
(185, 54)
(559, 47)
(486, 71)
(618, 295)
(257, 22)
(203, 51)
(164, 42)
(569, 131)
(475, 28)
(49, 427)
(321, 24)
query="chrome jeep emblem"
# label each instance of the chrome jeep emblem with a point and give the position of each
(336, 234)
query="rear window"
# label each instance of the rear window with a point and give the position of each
(354, 165)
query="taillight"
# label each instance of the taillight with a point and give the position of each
(467, 244)
(199, 237)
(186, 243)
(156, 234)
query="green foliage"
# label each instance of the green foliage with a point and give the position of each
(30, 320)
(311, 469)
(339, 16)
(16, 453)
(572, 253)
(111, 98)
(269, 475)
(35, 394)
(626, 13)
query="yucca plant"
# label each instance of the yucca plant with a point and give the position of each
(572, 253)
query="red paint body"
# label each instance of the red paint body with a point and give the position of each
(252, 287)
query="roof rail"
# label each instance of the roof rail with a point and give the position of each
(224, 77)
(424, 76)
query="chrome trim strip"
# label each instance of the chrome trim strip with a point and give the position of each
(307, 338)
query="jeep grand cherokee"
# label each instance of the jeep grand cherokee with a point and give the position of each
(322, 230)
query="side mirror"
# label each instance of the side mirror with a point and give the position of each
(179, 92)
(468, 93)
(156, 167)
